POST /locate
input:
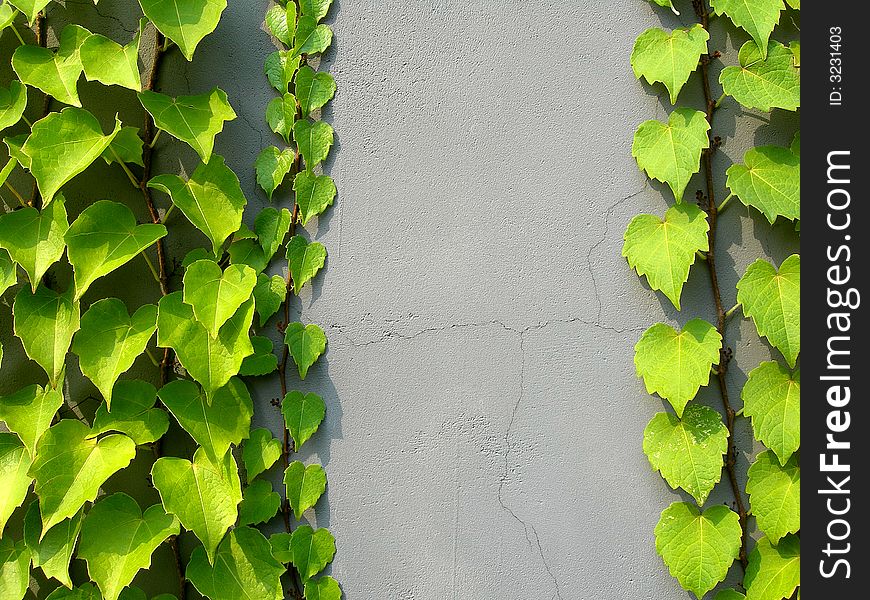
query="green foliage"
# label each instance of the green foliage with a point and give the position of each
(669, 58)
(756, 17)
(217, 295)
(306, 259)
(260, 452)
(306, 343)
(53, 552)
(185, 22)
(314, 193)
(773, 82)
(259, 504)
(313, 89)
(54, 72)
(305, 486)
(14, 480)
(14, 569)
(29, 413)
(769, 180)
(272, 167)
(774, 572)
(110, 63)
(772, 399)
(45, 321)
(133, 413)
(775, 495)
(303, 414)
(13, 101)
(324, 588)
(311, 550)
(34, 239)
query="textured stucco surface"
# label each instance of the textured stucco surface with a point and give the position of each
(484, 425)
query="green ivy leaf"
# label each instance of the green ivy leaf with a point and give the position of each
(104, 237)
(195, 120)
(324, 588)
(127, 146)
(281, 21)
(729, 595)
(260, 503)
(756, 17)
(689, 451)
(769, 180)
(280, 67)
(29, 413)
(306, 343)
(204, 496)
(86, 591)
(280, 543)
(185, 22)
(305, 486)
(772, 399)
(215, 426)
(133, 413)
(45, 322)
(671, 153)
(675, 364)
(272, 166)
(303, 414)
(796, 144)
(764, 84)
(665, 250)
(698, 548)
(30, 8)
(110, 341)
(775, 495)
(311, 38)
(53, 72)
(314, 139)
(772, 299)
(315, 8)
(248, 252)
(70, 468)
(8, 270)
(14, 145)
(312, 550)
(118, 540)
(110, 63)
(245, 568)
(217, 295)
(281, 114)
(54, 551)
(269, 295)
(260, 452)
(795, 47)
(13, 101)
(669, 58)
(313, 89)
(7, 16)
(306, 259)
(35, 240)
(211, 199)
(774, 572)
(263, 361)
(62, 145)
(7, 170)
(272, 226)
(14, 569)
(14, 480)
(314, 193)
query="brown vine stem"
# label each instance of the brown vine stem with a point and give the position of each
(703, 12)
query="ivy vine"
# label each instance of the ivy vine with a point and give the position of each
(202, 332)
(692, 446)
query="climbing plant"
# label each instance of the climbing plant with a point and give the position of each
(692, 446)
(203, 331)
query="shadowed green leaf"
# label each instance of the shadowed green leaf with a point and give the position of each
(110, 63)
(775, 495)
(729, 595)
(272, 166)
(324, 588)
(54, 72)
(14, 480)
(312, 550)
(55, 550)
(248, 252)
(281, 114)
(313, 89)
(305, 486)
(8, 272)
(280, 67)
(185, 22)
(217, 295)
(774, 572)
(45, 322)
(260, 503)
(14, 569)
(272, 226)
(669, 58)
(86, 591)
(769, 180)
(30, 8)
(303, 414)
(774, 82)
(306, 343)
(305, 259)
(281, 21)
(127, 146)
(756, 17)
(311, 38)
(260, 452)
(13, 101)
(314, 193)
(772, 399)
(313, 139)
(269, 295)
(133, 413)
(35, 240)
(29, 413)
(263, 361)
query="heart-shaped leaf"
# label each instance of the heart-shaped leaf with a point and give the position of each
(306, 343)
(248, 252)
(698, 548)
(70, 468)
(104, 237)
(281, 21)
(313, 139)
(324, 588)
(53, 72)
(315, 8)
(35, 240)
(211, 199)
(216, 295)
(216, 426)
(30, 8)
(195, 120)
(110, 341)
(204, 496)
(774, 82)
(770, 181)
(311, 38)
(13, 101)
(775, 495)
(756, 17)
(675, 364)
(665, 250)
(272, 226)
(14, 568)
(281, 114)
(118, 540)
(305, 486)
(45, 321)
(14, 480)
(260, 503)
(29, 413)
(303, 414)
(280, 67)
(772, 399)
(313, 89)
(185, 22)
(62, 145)
(52, 550)
(111, 63)
(245, 568)
(669, 58)
(774, 572)
(272, 166)
(313, 194)
(125, 148)
(689, 451)
(133, 413)
(260, 452)
(269, 295)
(671, 152)
(306, 259)
(263, 361)
(772, 299)
(312, 550)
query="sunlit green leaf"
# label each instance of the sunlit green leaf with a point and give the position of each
(217, 295)
(268, 295)
(305, 486)
(127, 146)
(260, 452)
(45, 322)
(54, 72)
(260, 503)
(34, 239)
(14, 480)
(313, 139)
(303, 414)
(185, 22)
(29, 413)
(13, 101)
(110, 63)
(53, 549)
(30, 8)
(263, 361)
(133, 413)
(306, 343)
(272, 226)
(8, 270)
(774, 572)
(757, 17)
(324, 588)
(769, 180)
(775, 495)
(281, 114)
(772, 399)
(281, 21)
(313, 89)
(312, 550)
(774, 82)
(305, 260)
(280, 67)
(272, 166)
(248, 252)
(669, 58)
(14, 569)
(314, 193)
(86, 591)
(311, 38)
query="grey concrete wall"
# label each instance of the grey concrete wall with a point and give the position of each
(484, 425)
